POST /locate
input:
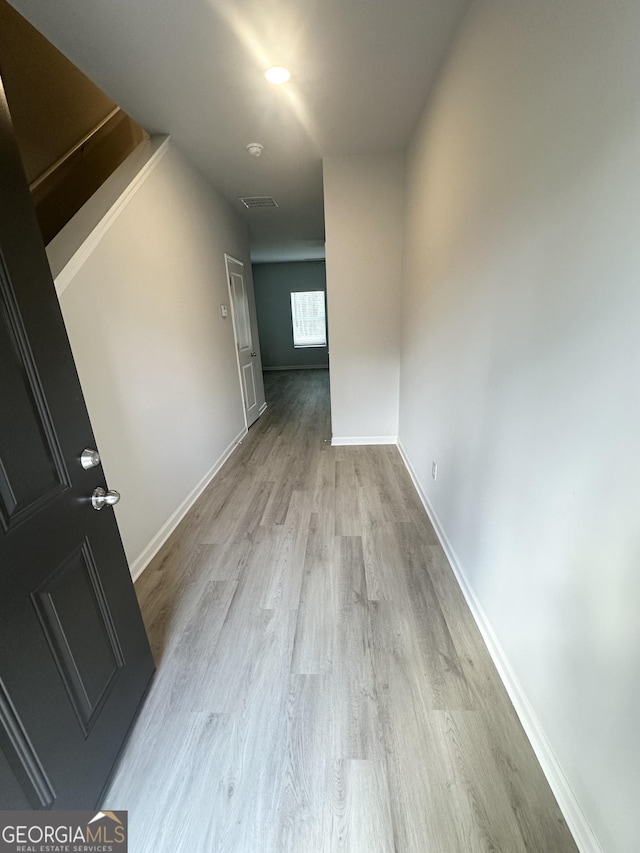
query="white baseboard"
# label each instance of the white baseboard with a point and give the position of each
(298, 367)
(577, 822)
(142, 560)
(348, 440)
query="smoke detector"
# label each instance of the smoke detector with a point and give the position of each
(255, 149)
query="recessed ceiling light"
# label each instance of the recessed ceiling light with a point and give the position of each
(277, 74)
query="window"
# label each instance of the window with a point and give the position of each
(308, 319)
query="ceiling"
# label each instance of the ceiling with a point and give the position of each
(361, 74)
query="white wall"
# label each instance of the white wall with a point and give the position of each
(156, 360)
(364, 199)
(521, 364)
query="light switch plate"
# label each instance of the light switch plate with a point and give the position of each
(224, 312)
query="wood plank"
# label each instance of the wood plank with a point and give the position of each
(314, 645)
(356, 729)
(306, 779)
(250, 661)
(357, 814)
(347, 511)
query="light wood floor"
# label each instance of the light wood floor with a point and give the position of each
(321, 684)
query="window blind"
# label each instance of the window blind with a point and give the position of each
(308, 318)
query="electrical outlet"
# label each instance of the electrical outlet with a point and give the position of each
(434, 469)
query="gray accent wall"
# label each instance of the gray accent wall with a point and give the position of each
(273, 284)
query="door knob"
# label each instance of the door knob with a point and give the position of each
(101, 498)
(254, 354)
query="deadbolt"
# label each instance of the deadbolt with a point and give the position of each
(101, 498)
(89, 458)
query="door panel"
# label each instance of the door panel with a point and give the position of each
(249, 385)
(74, 657)
(240, 312)
(77, 624)
(24, 782)
(33, 471)
(9, 783)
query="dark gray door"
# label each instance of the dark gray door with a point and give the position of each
(74, 657)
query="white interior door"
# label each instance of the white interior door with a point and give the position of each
(243, 338)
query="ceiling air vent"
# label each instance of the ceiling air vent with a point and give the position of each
(253, 201)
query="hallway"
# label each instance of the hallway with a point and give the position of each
(321, 683)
